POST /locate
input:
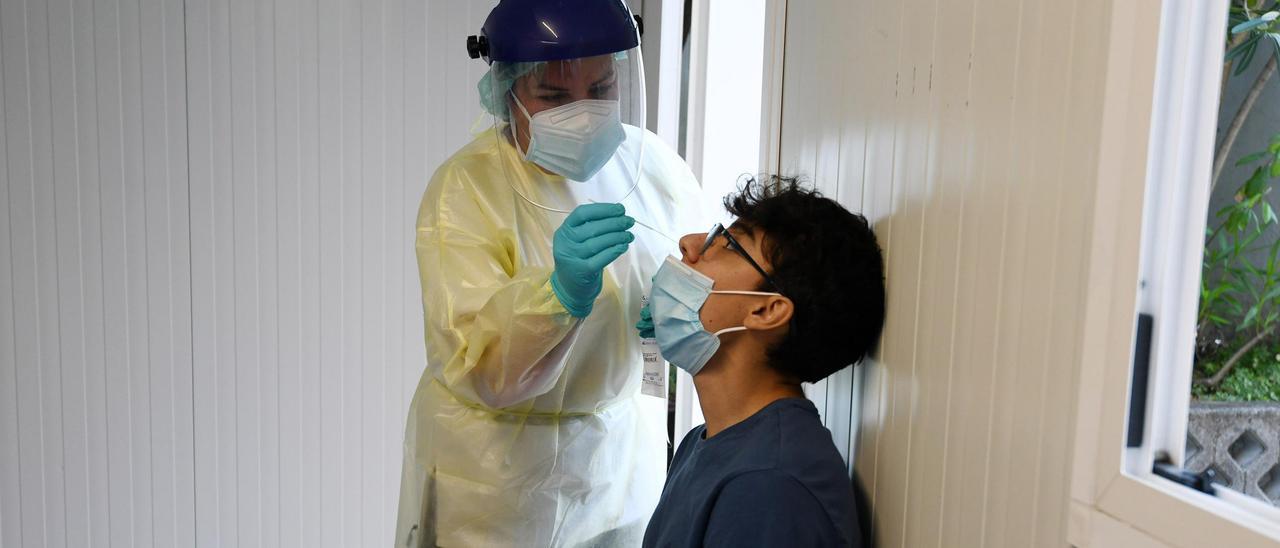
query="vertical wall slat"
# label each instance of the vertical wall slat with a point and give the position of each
(1081, 89)
(198, 23)
(44, 391)
(351, 254)
(1086, 91)
(889, 185)
(268, 102)
(330, 265)
(114, 86)
(311, 306)
(11, 521)
(848, 188)
(375, 247)
(1052, 266)
(176, 175)
(132, 389)
(70, 269)
(878, 91)
(983, 219)
(395, 333)
(421, 154)
(91, 389)
(242, 229)
(288, 22)
(163, 111)
(947, 85)
(1023, 327)
(903, 270)
(228, 187)
(28, 509)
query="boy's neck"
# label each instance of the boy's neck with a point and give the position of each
(734, 386)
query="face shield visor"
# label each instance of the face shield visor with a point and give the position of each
(577, 118)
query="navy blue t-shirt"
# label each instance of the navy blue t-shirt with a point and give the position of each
(774, 479)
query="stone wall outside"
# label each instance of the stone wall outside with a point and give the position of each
(1241, 442)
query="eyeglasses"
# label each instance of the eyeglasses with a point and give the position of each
(720, 230)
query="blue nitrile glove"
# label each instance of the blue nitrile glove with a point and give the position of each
(645, 325)
(593, 236)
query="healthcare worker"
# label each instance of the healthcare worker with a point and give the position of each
(536, 243)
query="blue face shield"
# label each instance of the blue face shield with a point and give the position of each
(679, 293)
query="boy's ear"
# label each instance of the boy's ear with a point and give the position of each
(771, 313)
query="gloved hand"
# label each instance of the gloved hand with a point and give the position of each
(593, 236)
(645, 325)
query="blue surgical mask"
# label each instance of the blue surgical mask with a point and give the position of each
(574, 140)
(678, 294)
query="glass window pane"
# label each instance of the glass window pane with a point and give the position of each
(1234, 423)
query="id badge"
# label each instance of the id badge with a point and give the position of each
(654, 381)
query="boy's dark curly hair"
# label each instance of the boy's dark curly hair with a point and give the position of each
(826, 260)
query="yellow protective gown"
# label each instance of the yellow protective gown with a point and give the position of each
(528, 427)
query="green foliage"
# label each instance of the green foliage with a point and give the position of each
(1240, 277)
(1238, 297)
(1261, 20)
(1255, 378)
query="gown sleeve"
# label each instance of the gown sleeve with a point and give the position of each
(496, 333)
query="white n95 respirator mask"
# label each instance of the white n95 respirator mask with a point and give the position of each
(574, 140)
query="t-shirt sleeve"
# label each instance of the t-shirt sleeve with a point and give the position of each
(768, 508)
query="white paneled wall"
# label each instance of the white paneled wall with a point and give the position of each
(95, 292)
(210, 320)
(966, 131)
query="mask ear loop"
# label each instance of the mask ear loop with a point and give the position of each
(735, 292)
(523, 153)
(729, 330)
(755, 293)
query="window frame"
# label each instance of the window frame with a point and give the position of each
(1149, 236)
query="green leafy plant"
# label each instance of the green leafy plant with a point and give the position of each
(1255, 26)
(1240, 278)
(1238, 298)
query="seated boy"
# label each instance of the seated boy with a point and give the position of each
(792, 292)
